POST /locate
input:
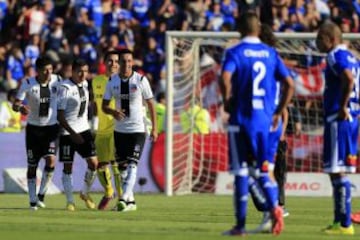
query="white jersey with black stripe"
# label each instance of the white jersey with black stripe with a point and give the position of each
(138, 89)
(30, 90)
(70, 101)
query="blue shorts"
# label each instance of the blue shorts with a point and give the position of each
(248, 142)
(274, 138)
(340, 146)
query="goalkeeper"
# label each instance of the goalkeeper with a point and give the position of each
(103, 125)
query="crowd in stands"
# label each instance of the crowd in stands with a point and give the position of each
(65, 29)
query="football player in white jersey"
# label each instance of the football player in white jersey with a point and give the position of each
(42, 128)
(129, 88)
(73, 101)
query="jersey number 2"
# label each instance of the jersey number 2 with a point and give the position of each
(258, 92)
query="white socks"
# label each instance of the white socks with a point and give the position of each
(68, 187)
(129, 182)
(32, 189)
(88, 180)
(45, 180)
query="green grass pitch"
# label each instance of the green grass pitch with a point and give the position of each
(190, 217)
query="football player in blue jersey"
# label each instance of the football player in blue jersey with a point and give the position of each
(341, 107)
(276, 151)
(249, 89)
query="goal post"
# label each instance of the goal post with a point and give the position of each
(193, 64)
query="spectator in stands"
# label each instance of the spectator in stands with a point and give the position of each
(153, 59)
(140, 12)
(3, 12)
(92, 16)
(214, 17)
(312, 18)
(280, 9)
(125, 35)
(111, 19)
(14, 64)
(88, 53)
(245, 6)
(54, 38)
(32, 50)
(32, 19)
(196, 14)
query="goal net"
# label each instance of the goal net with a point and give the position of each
(196, 139)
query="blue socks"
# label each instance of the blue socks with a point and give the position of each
(240, 200)
(270, 190)
(342, 201)
(257, 195)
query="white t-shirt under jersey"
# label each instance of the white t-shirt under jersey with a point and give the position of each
(69, 100)
(30, 89)
(139, 89)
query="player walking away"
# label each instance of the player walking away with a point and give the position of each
(104, 128)
(76, 136)
(341, 107)
(249, 90)
(129, 89)
(40, 92)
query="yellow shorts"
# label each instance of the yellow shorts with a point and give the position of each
(105, 147)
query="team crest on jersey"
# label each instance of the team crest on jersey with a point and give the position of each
(53, 89)
(133, 88)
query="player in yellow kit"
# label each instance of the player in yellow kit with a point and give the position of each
(104, 128)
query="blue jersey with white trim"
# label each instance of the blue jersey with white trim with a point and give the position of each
(255, 67)
(337, 61)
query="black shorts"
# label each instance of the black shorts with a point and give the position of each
(128, 146)
(68, 147)
(40, 142)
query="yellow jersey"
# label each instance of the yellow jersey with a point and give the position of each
(9, 118)
(160, 116)
(106, 121)
(201, 118)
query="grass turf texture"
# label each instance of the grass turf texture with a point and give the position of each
(190, 217)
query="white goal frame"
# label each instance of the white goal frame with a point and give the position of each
(169, 46)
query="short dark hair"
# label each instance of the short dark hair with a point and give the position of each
(11, 93)
(125, 51)
(267, 35)
(249, 23)
(78, 63)
(111, 52)
(42, 61)
(160, 96)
